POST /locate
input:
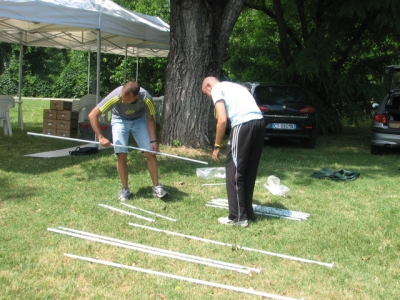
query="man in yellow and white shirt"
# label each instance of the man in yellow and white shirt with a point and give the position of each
(132, 113)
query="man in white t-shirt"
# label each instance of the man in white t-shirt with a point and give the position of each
(244, 147)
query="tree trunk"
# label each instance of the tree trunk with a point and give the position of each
(200, 32)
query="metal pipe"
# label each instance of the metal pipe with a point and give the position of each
(155, 251)
(223, 183)
(243, 269)
(188, 279)
(127, 212)
(149, 212)
(130, 147)
(330, 265)
(21, 53)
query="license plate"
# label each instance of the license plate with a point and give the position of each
(283, 126)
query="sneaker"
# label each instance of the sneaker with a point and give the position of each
(124, 194)
(159, 192)
(227, 221)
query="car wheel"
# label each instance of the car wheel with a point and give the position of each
(375, 150)
(308, 143)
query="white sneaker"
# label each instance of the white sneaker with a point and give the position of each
(124, 194)
(227, 221)
(159, 192)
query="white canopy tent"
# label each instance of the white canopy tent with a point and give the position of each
(82, 25)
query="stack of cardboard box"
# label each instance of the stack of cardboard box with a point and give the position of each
(60, 120)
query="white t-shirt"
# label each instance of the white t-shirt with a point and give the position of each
(239, 103)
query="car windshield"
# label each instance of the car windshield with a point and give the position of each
(275, 94)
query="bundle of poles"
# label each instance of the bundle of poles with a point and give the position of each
(129, 147)
(153, 250)
(264, 210)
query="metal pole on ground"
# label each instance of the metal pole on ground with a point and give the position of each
(155, 251)
(130, 147)
(330, 265)
(188, 279)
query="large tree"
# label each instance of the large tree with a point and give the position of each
(200, 33)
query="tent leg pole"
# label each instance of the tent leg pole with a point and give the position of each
(20, 118)
(88, 73)
(98, 75)
(137, 65)
(126, 61)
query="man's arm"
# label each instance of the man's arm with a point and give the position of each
(221, 121)
(221, 126)
(94, 121)
(151, 124)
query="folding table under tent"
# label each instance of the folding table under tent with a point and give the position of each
(82, 25)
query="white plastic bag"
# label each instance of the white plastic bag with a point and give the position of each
(275, 188)
(208, 173)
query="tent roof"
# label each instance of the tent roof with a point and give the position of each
(73, 24)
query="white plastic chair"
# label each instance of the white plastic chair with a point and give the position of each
(6, 103)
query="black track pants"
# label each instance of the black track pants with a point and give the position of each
(244, 150)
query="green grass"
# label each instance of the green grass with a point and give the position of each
(354, 224)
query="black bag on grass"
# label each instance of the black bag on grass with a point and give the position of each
(336, 175)
(84, 151)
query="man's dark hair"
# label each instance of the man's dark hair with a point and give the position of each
(131, 87)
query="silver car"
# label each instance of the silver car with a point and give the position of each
(385, 129)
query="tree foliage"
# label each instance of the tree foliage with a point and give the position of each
(337, 50)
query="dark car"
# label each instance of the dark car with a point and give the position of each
(385, 129)
(287, 112)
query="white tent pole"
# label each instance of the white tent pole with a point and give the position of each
(330, 265)
(20, 120)
(176, 254)
(137, 64)
(149, 212)
(126, 212)
(98, 76)
(88, 73)
(126, 61)
(129, 147)
(157, 251)
(98, 66)
(188, 279)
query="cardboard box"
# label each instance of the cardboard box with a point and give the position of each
(49, 131)
(49, 114)
(66, 133)
(394, 124)
(67, 125)
(67, 115)
(60, 105)
(49, 124)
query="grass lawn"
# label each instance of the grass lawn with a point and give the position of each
(355, 224)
